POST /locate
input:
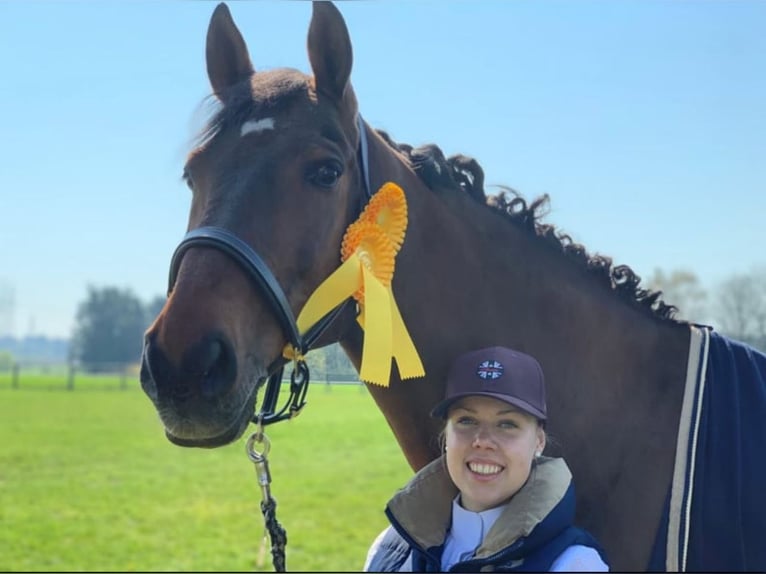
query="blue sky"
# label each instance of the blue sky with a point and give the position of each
(645, 121)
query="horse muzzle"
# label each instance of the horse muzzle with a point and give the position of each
(199, 401)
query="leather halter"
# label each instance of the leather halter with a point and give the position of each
(259, 272)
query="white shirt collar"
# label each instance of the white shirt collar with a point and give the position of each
(467, 531)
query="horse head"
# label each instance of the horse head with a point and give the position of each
(277, 168)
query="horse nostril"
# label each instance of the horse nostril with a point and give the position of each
(208, 369)
(147, 379)
(210, 354)
(156, 371)
(217, 366)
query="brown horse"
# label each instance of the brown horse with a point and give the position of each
(279, 167)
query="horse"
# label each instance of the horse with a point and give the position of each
(282, 168)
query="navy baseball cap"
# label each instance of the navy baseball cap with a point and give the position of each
(498, 372)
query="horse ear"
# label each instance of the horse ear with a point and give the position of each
(228, 61)
(329, 49)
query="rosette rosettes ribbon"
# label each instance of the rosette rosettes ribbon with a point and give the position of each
(368, 252)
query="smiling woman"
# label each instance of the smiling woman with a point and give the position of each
(492, 501)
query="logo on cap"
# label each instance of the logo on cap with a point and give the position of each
(490, 370)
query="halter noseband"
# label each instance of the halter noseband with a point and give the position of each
(259, 272)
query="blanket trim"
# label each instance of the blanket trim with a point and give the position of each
(686, 450)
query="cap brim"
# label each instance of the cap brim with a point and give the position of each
(441, 409)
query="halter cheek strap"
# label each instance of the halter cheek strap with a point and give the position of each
(364, 156)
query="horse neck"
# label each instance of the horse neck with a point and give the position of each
(467, 278)
(466, 266)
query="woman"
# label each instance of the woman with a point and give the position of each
(492, 502)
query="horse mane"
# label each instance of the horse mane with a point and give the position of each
(462, 173)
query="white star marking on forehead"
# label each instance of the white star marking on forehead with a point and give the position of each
(255, 126)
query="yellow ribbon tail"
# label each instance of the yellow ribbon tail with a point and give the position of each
(403, 349)
(405, 353)
(376, 318)
(338, 287)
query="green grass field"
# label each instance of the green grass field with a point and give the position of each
(88, 482)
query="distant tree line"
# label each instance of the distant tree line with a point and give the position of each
(109, 327)
(40, 348)
(736, 307)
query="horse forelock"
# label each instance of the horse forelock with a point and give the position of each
(462, 174)
(259, 101)
(264, 95)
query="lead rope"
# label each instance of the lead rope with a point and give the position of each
(274, 529)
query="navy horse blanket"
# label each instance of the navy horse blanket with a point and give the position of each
(715, 517)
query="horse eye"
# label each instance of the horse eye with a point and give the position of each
(188, 180)
(326, 175)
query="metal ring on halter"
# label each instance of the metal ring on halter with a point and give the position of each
(258, 437)
(252, 453)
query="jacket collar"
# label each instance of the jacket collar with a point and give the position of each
(423, 508)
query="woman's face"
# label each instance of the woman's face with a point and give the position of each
(490, 449)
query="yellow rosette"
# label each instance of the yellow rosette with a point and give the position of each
(388, 209)
(369, 243)
(368, 251)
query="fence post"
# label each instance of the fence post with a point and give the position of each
(15, 376)
(70, 378)
(327, 382)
